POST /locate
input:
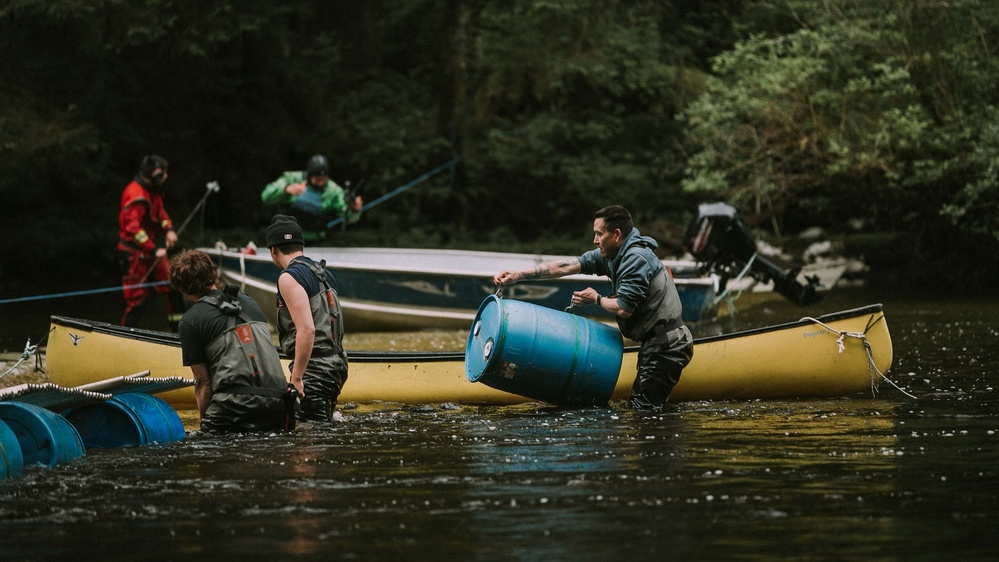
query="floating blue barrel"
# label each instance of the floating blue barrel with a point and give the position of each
(541, 353)
(45, 437)
(127, 419)
(11, 459)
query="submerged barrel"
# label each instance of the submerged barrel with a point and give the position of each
(45, 437)
(11, 460)
(541, 353)
(127, 419)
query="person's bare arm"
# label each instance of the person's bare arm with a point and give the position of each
(546, 270)
(297, 301)
(202, 387)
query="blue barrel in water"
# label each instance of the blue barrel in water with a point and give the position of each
(11, 460)
(544, 354)
(45, 437)
(127, 419)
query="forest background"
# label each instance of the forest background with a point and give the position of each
(875, 120)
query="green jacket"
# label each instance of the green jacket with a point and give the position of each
(319, 206)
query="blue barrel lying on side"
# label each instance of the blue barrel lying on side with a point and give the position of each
(544, 354)
(11, 460)
(46, 438)
(127, 419)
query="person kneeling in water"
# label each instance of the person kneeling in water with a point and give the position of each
(239, 381)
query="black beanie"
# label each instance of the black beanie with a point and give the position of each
(284, 229)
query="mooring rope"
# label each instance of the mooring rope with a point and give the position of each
(84, 292)
(872, 369)
(29, 350)
(730, 298)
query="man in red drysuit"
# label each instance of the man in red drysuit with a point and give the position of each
(141, 221)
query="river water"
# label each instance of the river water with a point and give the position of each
(872, 477)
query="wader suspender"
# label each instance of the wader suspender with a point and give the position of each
(332, 300)
(234, 311)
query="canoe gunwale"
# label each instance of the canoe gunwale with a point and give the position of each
(872, 309)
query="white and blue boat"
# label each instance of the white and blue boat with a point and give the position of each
(385, 289)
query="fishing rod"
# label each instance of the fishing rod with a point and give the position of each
(352, 194)
(402, 188)
(210, 187)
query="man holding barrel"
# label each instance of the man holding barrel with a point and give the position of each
(645, 301)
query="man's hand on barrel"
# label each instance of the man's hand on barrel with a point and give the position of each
(588, 295)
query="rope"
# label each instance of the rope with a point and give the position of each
(725, 295)
(450, 163)
(872, 368)
(29, 350)
(210, 187)
(87, 292)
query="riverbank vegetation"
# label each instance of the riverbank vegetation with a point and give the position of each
(873, 119)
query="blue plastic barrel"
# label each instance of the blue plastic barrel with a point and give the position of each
(127, 419)
(541, 353)
(45, 437)
(11, 460)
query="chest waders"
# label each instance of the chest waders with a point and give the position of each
(656, 308)
(667, 344)
(245, 364)
(326, 372)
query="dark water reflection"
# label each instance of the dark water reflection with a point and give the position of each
(883, 477)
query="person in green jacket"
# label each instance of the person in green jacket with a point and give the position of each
(312, 198)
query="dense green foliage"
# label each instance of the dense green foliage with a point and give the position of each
(802, 113)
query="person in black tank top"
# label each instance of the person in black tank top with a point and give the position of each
(310, 323)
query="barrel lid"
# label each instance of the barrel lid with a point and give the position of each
(484, 338)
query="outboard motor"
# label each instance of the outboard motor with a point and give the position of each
(720, 239)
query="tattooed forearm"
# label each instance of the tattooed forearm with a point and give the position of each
(565, 264)
(551, 269)
(539, 272)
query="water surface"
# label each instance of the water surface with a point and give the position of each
(874, 476)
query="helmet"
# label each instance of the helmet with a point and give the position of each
(153, 167)
(318, 166)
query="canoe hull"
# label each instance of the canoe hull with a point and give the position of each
(795, 360)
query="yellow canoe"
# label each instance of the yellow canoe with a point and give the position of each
(839, 354)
